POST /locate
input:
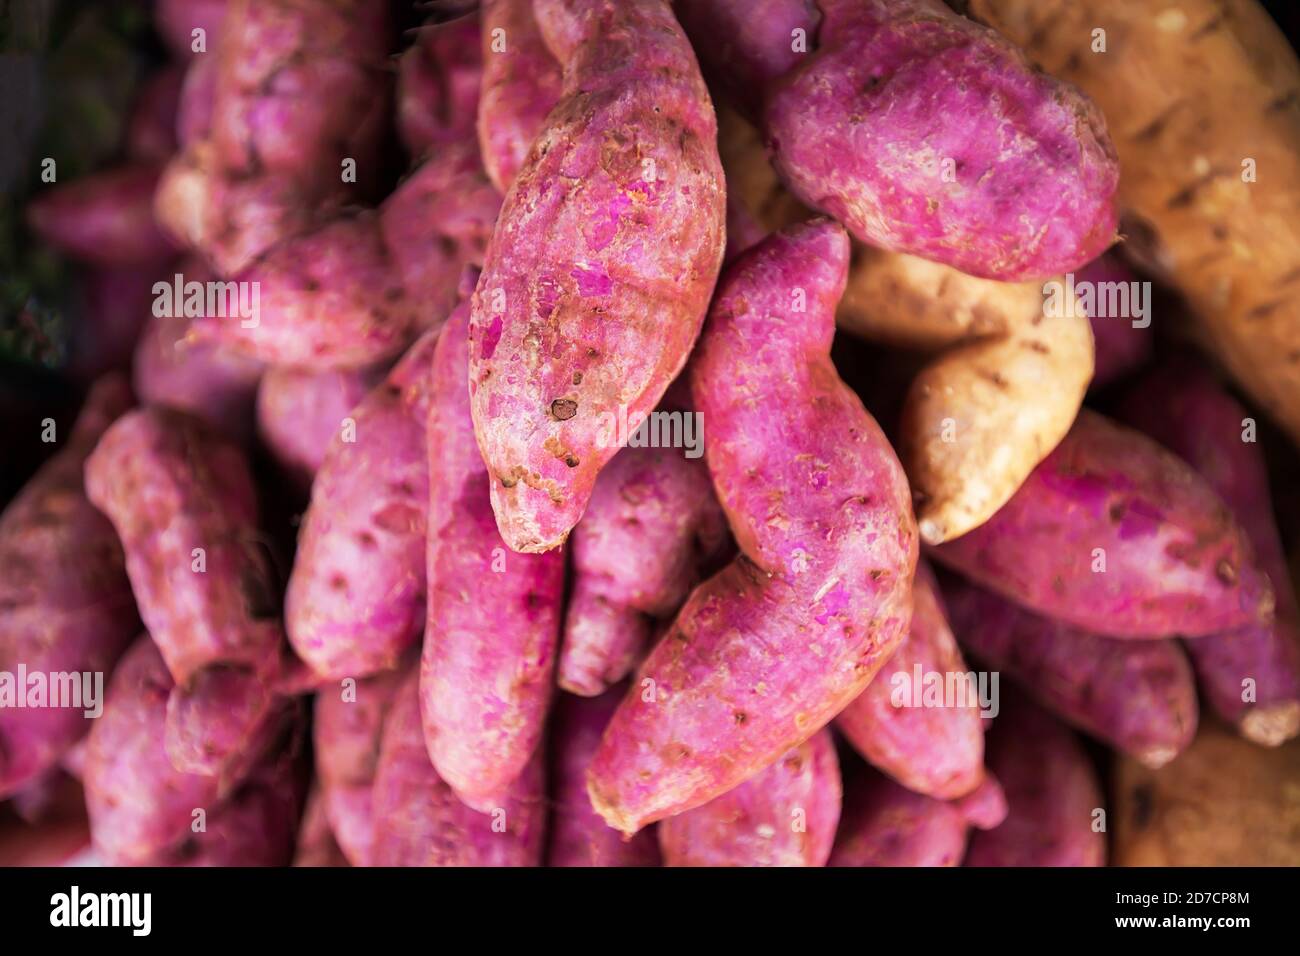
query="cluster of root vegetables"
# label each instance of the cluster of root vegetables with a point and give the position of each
(493, 636)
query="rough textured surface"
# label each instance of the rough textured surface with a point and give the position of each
(1181, 406)
(1182, 93)
(419, 821)
(1224, 802)
(105, 218)
(1052, 795)
(766, 652)
(521, 83)
(437, 222)
(346, 733)
(885, 824)
(653, 521)
(300, 411)
(786, 815)
(355, 600)
(438, 80)
(1137, 696)
(332, 298)
(600, 269)
(926, 133)
(578, 836)
(171, 486)
(979, 418)
(937, 751)
(223, 722)
(493, 624)
(65, 601)
(1175, 561)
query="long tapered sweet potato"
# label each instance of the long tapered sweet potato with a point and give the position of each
(653, 519)
(577, 834)
(935, 750)
(66, 611)
(1251, 676)
(1053, 796)
(766, 652)
(105, 218)
(784, 816)
(1199, 96)
(419, 821)
(1117, 536)
(521, 84)
(346, 733)
(599, 272)
(922, 132)
(1138, 696)
(355, 600)
(183, 503)
(492, 630)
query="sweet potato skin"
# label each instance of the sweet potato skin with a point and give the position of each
(598, 275)
(105, 218)
(355, 600)
(176, 20)
(419, 821)
(938, 751)
(170, 485)
(66, 600)
(1052, 792)
(1175, 560)
(489, 651)
(1181, 406)
(1138, 696)
(578, 836)
(652, 521)
(299, 411)
(438, 82)
(861, 130)
(346, 735)
(885, 824)
(1120, 345)
(766, 652)
(785, 815)
(521, 84)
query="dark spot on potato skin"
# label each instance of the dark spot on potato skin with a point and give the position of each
(1226, 571)
(562, 409)
(1143, 804)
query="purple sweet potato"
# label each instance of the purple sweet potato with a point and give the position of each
(653, 519)
(1137, 696)
(492, 632)
(521, 84)
(151, 128)
(935, 750)
(213, 383)
(194, 110)
(435, 224)
(785, 815)
(355, 600)
(419, 821)
(1052, 790)
(332, 298)
(929, 134)
(885, 824)
(348, 727)
(438, 81)
(316, 846)
(300, 411)
(140, 806)
(65, 601)
(766, 652)
(183, 503)
(105, 218)
(225, 720)
(578, 836)
(1120, 345)
(599, 272)
(1181, 406)
(115, 304)
(176, 21)
(1115, 535)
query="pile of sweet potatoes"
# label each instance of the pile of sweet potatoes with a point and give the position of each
(488, 485)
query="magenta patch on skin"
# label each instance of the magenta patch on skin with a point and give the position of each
(548, 294)
(592, 282)
(1140, 519)
(490, 338)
